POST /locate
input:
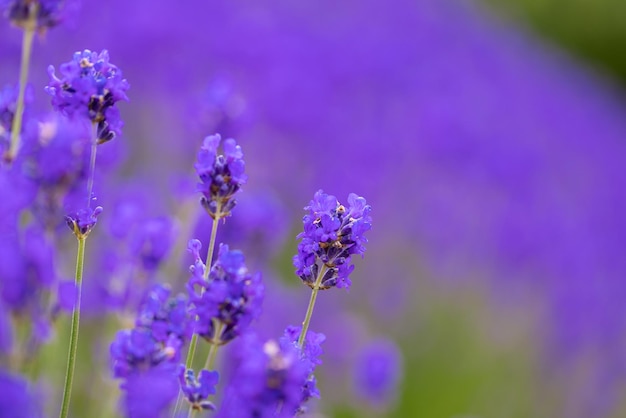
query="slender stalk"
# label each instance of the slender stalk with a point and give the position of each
(71, 358)
(92, 161)
(209, 260)
(194, 338)
(80, 260)
(209, 255)
(16, 126)
(215, 343)
(309, 311)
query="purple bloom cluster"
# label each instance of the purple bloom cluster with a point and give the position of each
(28, 270)
(27, 273)
(56, 162)
(377, 373)
(161, 329)
(310, 353)
(139, 244)
(150, 393)
(232, 296)
(151, 241)
(273, 379)
(17, 399)
(39, 14)
(220, 108)
(332, 234)
(197, 390)
(89, 86)
(147, 357)
(221, 175)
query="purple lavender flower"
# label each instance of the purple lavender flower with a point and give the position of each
(27, 271)
(139, 244)
(197, 390)
(67, 294)
(147, 357)
(57, 160)
(332, 234)
(270, 380)
(232, 296)
(312, 348)
(83, 221)
(17, 400)
(89, 87)
(162, 327)
(39, 14)
(150, 393)
(137, 350)
(221, 175)
(309, 354)
(377, 372)
(165, 316)
(151, 241)
(220, 108)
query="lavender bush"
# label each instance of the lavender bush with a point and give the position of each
(491, 284)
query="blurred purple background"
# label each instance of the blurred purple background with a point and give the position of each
(494, 165)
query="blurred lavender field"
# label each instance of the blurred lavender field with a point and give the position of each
(494, 164)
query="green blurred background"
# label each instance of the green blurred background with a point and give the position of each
(594, 31)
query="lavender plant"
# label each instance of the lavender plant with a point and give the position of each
(87, 91)
(274, 378)
(332, 234)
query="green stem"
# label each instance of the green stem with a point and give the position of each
(71, 358)
(16, 126)
(209, 259)
(209, 255)
(92, 161)
(192, 351)
(194, 339)
(215, 343)
(309, 311)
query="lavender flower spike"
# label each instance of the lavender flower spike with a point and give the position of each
(231, 299)
(221, 175)
(89, 86)
(332, 234)
(35, 14)
(273, 379)
(147, 357)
